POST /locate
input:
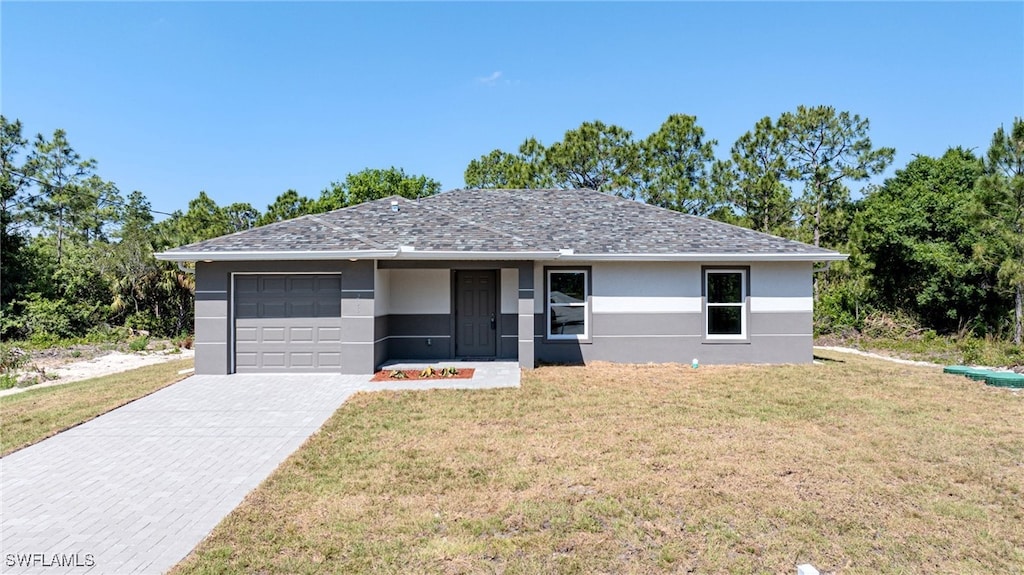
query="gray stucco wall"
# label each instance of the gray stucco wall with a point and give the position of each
(654, 312)
(639, 313)
(213, 310)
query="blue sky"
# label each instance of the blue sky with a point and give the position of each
(247, 99)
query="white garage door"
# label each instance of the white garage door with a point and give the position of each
(287, 323)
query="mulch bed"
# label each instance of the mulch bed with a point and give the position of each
(414, 375)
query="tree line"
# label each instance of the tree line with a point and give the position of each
(942, 241)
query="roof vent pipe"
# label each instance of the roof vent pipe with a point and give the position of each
(394, 206)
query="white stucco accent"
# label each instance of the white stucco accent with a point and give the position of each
(640, 304)
(509, 290)
(781, 304)
(381, 292)
(416, 291)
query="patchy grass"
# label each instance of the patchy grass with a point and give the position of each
(943, 350)
(35, 414)
(855, 465)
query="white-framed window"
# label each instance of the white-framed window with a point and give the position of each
(568, 297)
(725, 292)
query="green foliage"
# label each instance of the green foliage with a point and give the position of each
(823, 151)
(12, 358)
(285, 207)
(753, 180)
(999, 213)
(139, 344)
(595, 156)
(15, 182)
(917, 240)
(675, 168)
(374, 184)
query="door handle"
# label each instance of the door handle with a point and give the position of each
(493, 323)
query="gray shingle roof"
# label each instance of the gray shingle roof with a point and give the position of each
(513, 223)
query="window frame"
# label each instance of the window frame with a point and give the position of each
(744, 335)
(584, 337)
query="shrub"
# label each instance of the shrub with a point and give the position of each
(139, 344)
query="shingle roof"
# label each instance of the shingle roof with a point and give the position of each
(523, 224)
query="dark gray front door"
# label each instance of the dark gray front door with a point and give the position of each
(475, 313)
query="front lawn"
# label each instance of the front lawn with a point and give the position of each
(35, 414)
(855, 466)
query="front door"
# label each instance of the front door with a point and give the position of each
(475, 313)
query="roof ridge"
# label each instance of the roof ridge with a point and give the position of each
(474, 223)
(353, 235)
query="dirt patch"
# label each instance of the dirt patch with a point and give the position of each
(61, 367)
(418, 375)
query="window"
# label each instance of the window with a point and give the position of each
(568, 304)
(726, 296)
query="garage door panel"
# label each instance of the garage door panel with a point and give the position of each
(302, 309)
(273, 309)
(274, 285)
(246, 359)
(328, 334)
(302, 286)
(288, 322)
(329, 359)
(300, 359)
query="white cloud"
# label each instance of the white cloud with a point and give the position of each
(490, 80)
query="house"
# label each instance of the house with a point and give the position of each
(529, 275)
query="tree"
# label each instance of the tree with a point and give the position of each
(595, 156)
(999, 211)
(824, 150)
(527, 170)
(374, 184)
(15, 182)
(60, 173)
(916, 241)
(754, 180)
(494, 171)
(241, 216)
(285, 207)
(675, 166)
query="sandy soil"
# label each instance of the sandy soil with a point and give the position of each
(112, 362)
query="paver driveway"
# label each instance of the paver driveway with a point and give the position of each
(134, 490)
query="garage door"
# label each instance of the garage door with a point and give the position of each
(287, 323)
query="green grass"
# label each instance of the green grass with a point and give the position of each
(855, 465)
(35, 414)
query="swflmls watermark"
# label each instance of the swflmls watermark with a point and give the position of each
(50, 560)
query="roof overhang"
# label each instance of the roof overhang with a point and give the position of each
(261, 256)
(407, 253)
(706, 257)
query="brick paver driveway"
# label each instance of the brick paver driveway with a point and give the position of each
(134, 490)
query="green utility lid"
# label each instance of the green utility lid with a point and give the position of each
(957, 369)
(1005, 379)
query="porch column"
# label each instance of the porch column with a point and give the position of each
(526, 324)
(357, 321)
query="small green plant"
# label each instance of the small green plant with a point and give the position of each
(429, 371)
(139, 344)
(183, 341)
(12, 358)
(7, 381)
(449, 372)
(397, 374)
